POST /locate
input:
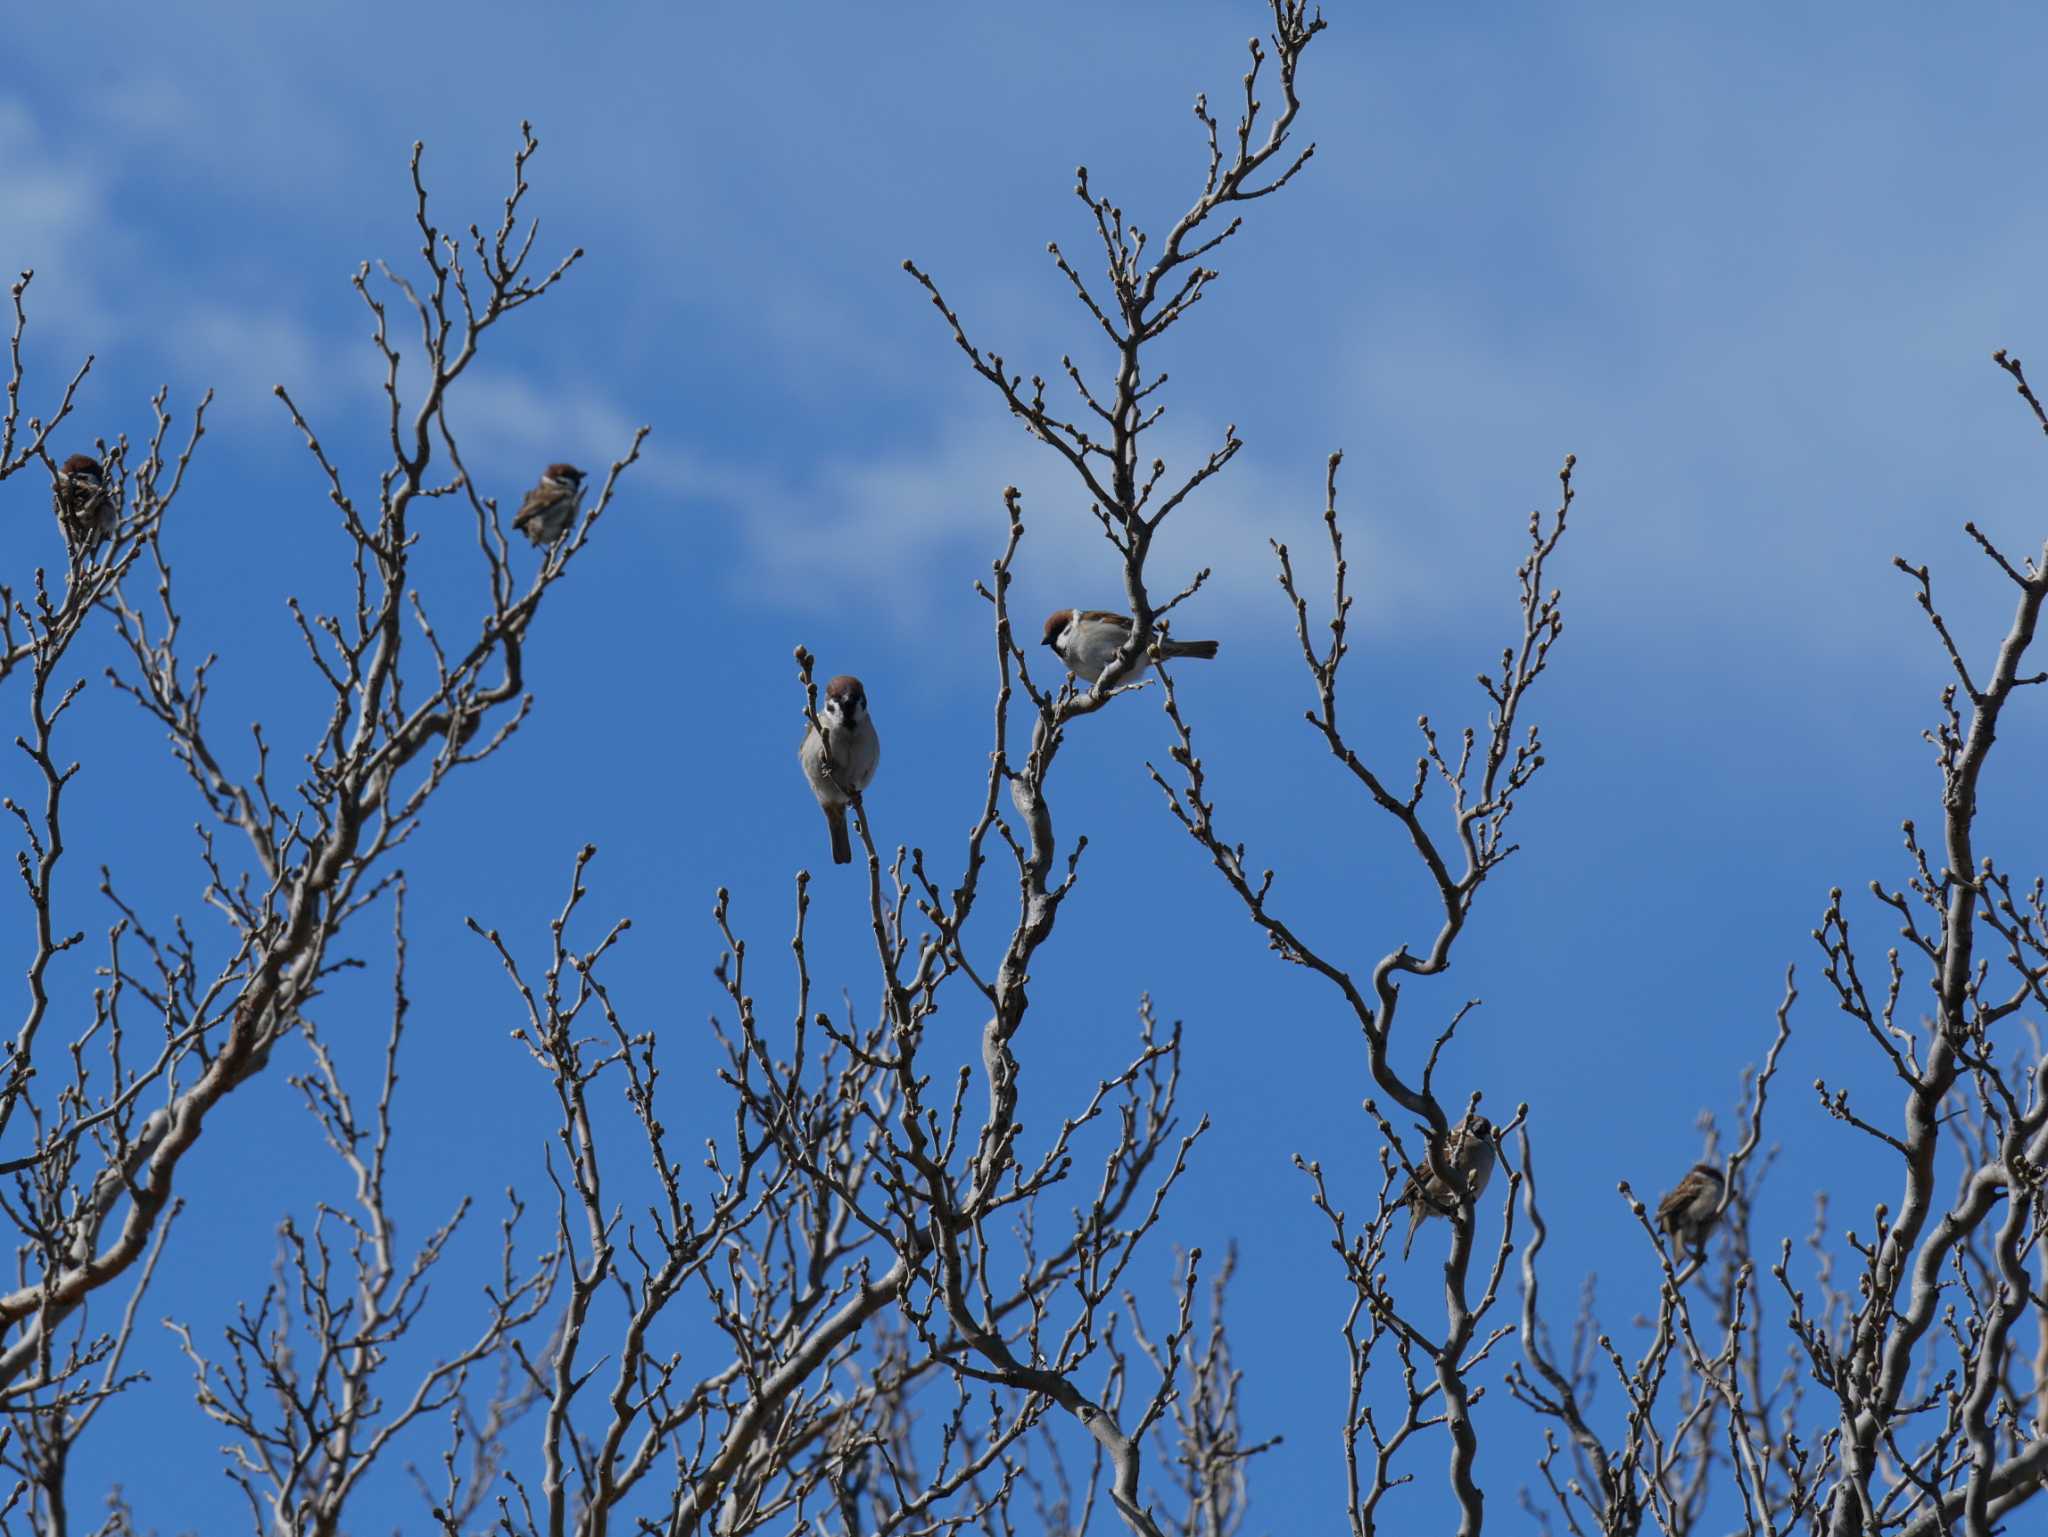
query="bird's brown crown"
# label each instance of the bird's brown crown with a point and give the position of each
(567, 472)
(1056, 622)
(846, 688)
(82, 464)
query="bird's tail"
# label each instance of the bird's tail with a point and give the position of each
(842, 848)
(1204, 650)
(1414, 1221)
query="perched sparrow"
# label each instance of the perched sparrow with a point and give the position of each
(84, 510)
(843, 758)
(1688, 1212)
(1469, 1153)
(550, 507)
(1086, 640)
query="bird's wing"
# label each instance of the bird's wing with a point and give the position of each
(1678, 1198)
(537, 501)
(1104, 616)
(1411, 1193)
(1424, 1191)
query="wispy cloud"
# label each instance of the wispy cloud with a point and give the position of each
(522, 421)
(54, 205)
(99, 287)
(893, 528)
(241, 354)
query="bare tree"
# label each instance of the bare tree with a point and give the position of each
(867, 1242)
(1939, 1418)
(1912, 1401)
(1482, 776)
(897, 1312)
(301, 1389)
(98, 1127)
(883, 1298)
(1939, 1399)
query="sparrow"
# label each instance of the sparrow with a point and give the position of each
(550, 507)
(84, 510)
(840, 755)
(1086, 639)
(1468, 1150)
(1688, 1212)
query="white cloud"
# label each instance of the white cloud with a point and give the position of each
(59, 218)
(48, 219)
(241, 353)
(895, 528)
(498, 413)
(510, 419)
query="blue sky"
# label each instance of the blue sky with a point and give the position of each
(1750, 269)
